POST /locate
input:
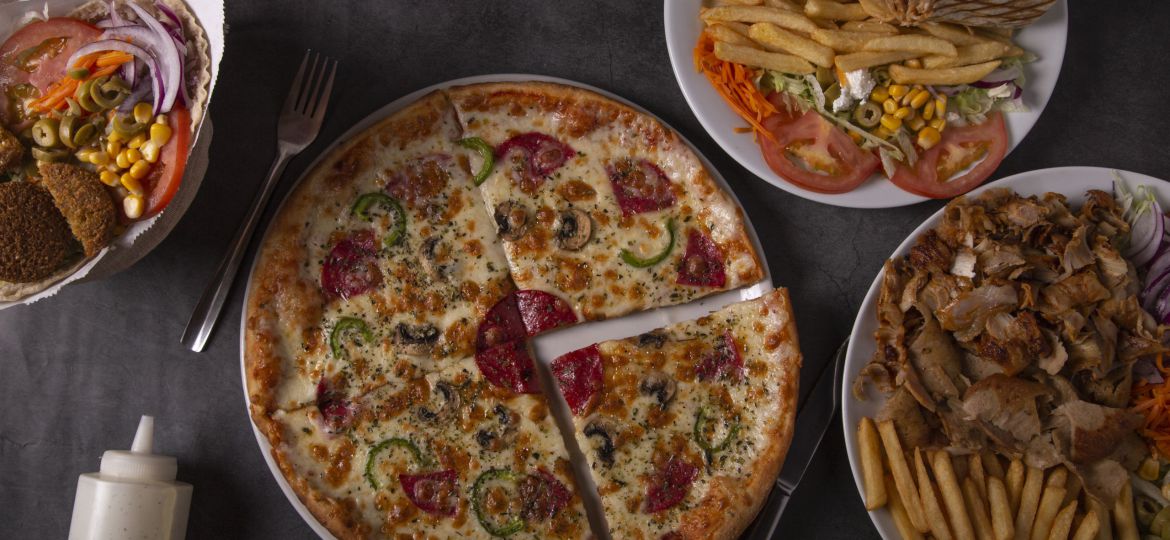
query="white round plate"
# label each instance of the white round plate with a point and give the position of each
(1045, 38)
(1073, 182)
(548, 346)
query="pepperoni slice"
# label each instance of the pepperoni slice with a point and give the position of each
(508, 365)
(351, 268)
(670, 485)
(543, 496)
(336, 412)
(434, 493)
(542, 311)
(702, 264)
(420, 179)
(640, 186)
(534, 156)
(579, 376)
(725, 361)
(501, 324)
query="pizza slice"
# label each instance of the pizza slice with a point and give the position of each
(449, 455)
(686, 428)
(599, 203)
(378, 268)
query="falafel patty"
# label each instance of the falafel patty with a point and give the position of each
(35, 240)
(84, 201)
(11, 151)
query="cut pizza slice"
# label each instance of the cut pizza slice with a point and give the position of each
(449, 455)
(378, 268)
(685, 428)
(599, 203)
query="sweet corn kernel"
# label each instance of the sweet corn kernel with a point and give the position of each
(137, 141)
(133, 155)
(938, 123)
(114, 136)
(940, 105)
(161, 119)
(879, 94)
(101, 159)
(903, 113)
(1166, 490)
(914, 63)
(1149, 470)
(882, 133)
(891, 122)
(131, 184)
(143, 112)
(928, 137)
(889, 106)
(122, 160)
(856, 137)
(916, 123)
(149, 151)
(139, 169)
(83, 154)
(898, 90)
(920, 99)
(928, 110)
(113, 147)
(108, 178)
(160, 134)
(133, 206)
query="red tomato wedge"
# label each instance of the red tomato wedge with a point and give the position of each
(36, 54)
(812, 153)
(164, 178)
(959, 148)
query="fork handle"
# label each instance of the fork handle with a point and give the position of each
(210, 305)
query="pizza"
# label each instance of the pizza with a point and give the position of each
(685, 428)
(388, 325)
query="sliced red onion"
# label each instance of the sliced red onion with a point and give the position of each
(1162, 307)
(135, 96)
(1145, 369)
(108, 45)
(151, 41)
(1003, 75)
(115, 17)
(1146, 236)
(170, 14)
(1154, 286)
(168, 58)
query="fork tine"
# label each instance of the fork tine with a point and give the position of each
(314, 87)
(319, 112)
(304, 100)
(295, 89)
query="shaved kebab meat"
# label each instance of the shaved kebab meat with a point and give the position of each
(1014, 325)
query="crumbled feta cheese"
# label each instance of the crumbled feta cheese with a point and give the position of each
(858, 85)
(1003, 91)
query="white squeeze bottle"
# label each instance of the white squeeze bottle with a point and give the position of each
(134, 496)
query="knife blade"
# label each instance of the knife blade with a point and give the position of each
(813, 418)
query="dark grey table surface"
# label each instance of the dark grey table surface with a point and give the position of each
(77, 369)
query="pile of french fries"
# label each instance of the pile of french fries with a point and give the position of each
(976, 497)
(795, 36)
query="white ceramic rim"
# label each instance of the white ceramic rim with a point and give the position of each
(1073, 182)
(1046, 37)
(570, 338)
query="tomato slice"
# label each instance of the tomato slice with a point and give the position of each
(164, 178)
(36, 54)
(812, 153)
(958, 149)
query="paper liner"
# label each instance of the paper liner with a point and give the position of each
(142, 236)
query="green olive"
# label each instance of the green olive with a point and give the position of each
(85, 134)
(44, 132)
(867, 114)
(68, 128)
(84, 97)
(74, 107)
(108, 93)
(54, 154)
(125, 125)
(78, 73)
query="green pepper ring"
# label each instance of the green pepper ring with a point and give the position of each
(344, 325)
(372, 455)
(485, 152)
(711, 449)
(638, 262)
(362, 206)
(513, 525)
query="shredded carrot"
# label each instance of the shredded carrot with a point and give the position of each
(54, 98)
(113, 58)
(1153, 402)
(734, 82)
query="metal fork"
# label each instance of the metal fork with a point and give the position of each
(299, 123)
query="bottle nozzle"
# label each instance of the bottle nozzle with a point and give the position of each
(144, 437)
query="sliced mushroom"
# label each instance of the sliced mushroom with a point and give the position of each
(448, 406)
(575, 229)
(659, 385)
(605, 431)
(511, 220)
(655, 339)
(498, 439)
(416, 339)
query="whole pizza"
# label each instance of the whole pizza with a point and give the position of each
(387, 330)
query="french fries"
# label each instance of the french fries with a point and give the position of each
(901, 517)
(954, 34)
(944, 472)
(1001, 511)
(916, 44)
(757, 58)
(727, 34)
(943, 77)
(1123, 519)
(992, 465)
(968, 54)
(862, 60)
(871, 465)
(934, 514)
(902, 477)
(786, 5)
(843, 40)
(1088, 528)
(1014, 479)
(1103, 515)
(1063, 524)
(1029, 502)
(975, 471)
(755, 14)
(977, 510)
(826, 9)
(876, 27)
(777, 39)
(1046, 513)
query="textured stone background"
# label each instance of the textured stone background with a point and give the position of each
(77, 370)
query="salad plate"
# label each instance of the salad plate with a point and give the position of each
(1045, 38)
(1072, 182)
